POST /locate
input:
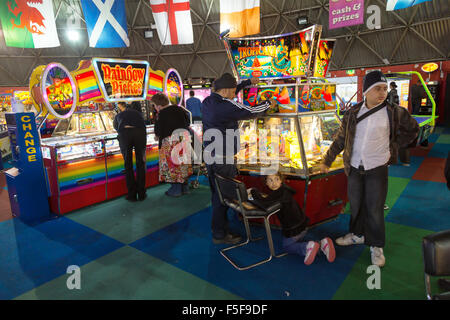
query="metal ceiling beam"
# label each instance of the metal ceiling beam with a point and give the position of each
(188, 69)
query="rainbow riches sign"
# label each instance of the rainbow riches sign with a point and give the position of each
(283, 56)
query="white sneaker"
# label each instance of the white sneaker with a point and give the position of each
(377, 256)
(311, 252)
(349, 239)
(327, 247)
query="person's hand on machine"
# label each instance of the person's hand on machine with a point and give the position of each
(324, 168)
(254, 80)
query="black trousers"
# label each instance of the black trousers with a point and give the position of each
(219, 223)
(367, 191)
(404, 155)
(129, 139)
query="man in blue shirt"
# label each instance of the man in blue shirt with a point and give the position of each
(194, 104)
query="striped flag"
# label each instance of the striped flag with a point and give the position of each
(28, 23)
(173, 21)
(240, 16)
(401, 4)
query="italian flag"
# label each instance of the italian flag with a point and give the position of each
(28, 23)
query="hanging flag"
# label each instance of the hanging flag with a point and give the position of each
(240, 16)
(401, 4)
(173, 21)
(106, 23)
(28, 24)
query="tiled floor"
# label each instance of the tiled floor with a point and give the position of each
(161, 248)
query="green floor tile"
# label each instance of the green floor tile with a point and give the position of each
(395, 189)
(444, 138)
(401, 278)
(128, 273)
(129, 221)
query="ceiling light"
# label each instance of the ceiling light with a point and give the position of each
(73, 35)
(302, 20)
(148, 34)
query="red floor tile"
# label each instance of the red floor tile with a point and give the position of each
(5, 208)
(421, 151)
(431, 169)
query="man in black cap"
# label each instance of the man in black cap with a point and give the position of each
(220, 114)
(370, 135)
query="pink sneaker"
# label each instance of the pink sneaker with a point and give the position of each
(311, 251)
(327, 247)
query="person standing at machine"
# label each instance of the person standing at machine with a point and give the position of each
(132, 134)
(417, 94)
(194, 105)
(221, 113)
(370, 135)
(169, 119)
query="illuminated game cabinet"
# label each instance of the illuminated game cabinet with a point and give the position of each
(293, 137)
(201, 87)
(82, 158)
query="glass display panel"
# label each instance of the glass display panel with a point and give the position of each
(270, 142)
(78, 151)
(318, 132)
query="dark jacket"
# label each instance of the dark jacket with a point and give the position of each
(293, 220)
(404, 129)
(393, 97)
(129, 117)
(169, 119)
(222, 114)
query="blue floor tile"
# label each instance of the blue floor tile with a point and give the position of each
(187, 245)
(400, 171)
(31, 256)
(423, 204)
(439, 150)
(433, 137)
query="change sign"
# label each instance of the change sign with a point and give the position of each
(345, 13)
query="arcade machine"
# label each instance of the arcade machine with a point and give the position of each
(82, 158)
(294, 139)
(200, 86)
(426, 121)
(5, 106)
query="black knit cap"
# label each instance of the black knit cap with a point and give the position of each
(372, 79)
(224, 82)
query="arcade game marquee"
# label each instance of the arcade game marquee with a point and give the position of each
(82, 159)
(293, 139)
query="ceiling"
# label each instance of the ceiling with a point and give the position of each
(416, 34)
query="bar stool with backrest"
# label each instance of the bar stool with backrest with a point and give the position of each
(233, 193)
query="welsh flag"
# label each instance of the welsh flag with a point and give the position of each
(28, 23)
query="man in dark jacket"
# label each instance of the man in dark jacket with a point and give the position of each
(220, 114)
(132, 134)
(370, 144)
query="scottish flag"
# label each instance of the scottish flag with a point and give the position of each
(106, 23)
(401, 4)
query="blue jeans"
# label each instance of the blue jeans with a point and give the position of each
(295, 245)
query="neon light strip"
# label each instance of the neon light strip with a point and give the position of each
(44, 91)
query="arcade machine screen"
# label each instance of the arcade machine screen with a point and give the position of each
(199, 93)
